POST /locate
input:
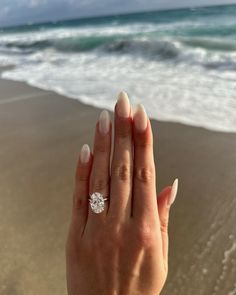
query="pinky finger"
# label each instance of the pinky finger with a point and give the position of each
(81, 190)
(165, 200)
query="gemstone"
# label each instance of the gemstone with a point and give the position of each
(97, 202)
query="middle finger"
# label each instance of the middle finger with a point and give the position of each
(122, 162)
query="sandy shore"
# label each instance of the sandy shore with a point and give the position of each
(40, 137)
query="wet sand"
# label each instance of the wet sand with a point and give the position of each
(40, 137)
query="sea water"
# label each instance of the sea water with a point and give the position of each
(180, 64)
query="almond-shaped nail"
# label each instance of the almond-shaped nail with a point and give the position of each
(140, 118)
(104, 122)
(123, 105)
(173, 192)
(85, 154)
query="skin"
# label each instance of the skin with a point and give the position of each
(124, 249)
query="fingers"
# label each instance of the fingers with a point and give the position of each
(144, 182)
(80, 198)
(100, 174)
(165, 200)
(122, 162)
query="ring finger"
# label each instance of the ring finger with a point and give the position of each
(100, 174)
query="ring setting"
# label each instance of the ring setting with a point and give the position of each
(97, 202)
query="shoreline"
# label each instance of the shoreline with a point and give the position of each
(27, 84)
(45, 92)
(41, 133)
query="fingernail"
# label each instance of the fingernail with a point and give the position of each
(140, 118)
(104, 122)
(123, 105)
(173, 192)
(85, 154)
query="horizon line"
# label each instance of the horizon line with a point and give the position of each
(88, 17)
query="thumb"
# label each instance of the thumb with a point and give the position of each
(165, 200)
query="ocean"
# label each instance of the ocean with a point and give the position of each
(180, 64)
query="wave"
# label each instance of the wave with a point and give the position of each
(71, 44)
(109, 44)
(211, 54)
(163, 49)
(211, 44)
(120, 43)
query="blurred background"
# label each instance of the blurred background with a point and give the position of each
(60, 63)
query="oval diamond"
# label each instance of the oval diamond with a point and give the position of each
(97, 202)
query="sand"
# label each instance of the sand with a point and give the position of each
(40, 136)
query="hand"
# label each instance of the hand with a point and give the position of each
(124, 249)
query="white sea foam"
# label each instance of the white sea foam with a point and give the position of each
(85, 31)
(169, 92)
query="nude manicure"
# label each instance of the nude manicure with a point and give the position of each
(173, 192)
(140, 118)
(104, 122)
(85, 154)
(123, 105)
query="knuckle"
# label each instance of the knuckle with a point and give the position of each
(145, 236)
(144, 174)
(123, 132)
(164, 225)
(122, 172)
(82, 177)
(100, 147)
(100, 184)
(143, 144)
(80, 203)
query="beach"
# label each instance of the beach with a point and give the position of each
(41, 134)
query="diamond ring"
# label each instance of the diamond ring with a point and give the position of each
(97, 202)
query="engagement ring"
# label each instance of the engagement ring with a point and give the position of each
(97, 202)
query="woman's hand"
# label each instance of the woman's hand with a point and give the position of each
(124, 249)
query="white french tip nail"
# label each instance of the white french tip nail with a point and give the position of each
(104, 122)
(85, 154)
(173, 192)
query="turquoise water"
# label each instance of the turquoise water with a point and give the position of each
(180, 64)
